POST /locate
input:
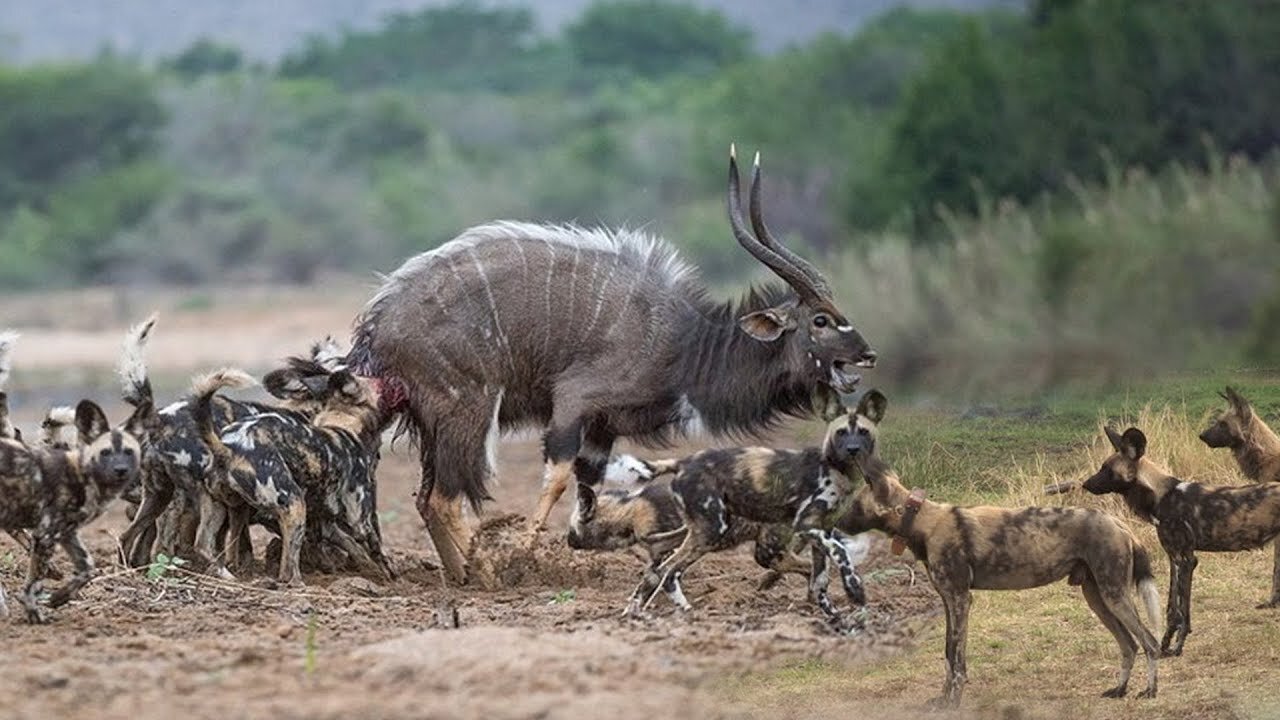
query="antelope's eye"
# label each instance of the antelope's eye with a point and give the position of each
(821, 321)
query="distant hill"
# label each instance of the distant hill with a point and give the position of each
(32, 30)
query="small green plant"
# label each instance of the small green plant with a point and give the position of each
(8, 562)
(309, 647)
(564, 596)
(162, 569)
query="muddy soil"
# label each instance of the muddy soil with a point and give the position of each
(538, 631)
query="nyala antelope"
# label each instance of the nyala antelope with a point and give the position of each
(1254, 445)
(271, 463)
(615, 517)
(996, 548)
(593, 335)
(1188, 517)
(809, 489)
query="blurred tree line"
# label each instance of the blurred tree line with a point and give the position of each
(359, 149)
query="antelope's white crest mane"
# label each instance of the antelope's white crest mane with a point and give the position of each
(648, 250)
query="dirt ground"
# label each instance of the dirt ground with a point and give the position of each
(538, 634)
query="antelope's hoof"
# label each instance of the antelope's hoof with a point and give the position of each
(1268, 605)
(1148, 693)
(1118, 691)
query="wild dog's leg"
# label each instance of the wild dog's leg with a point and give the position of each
(83, 563)
(156, 497)
(956, 601)
(1128, 647)
(42, 543)
(846, 557)
(666, 575)
(1119, 601)
(212, 514)
(818, 582)
(237, 554)
(1275, 577)
(4, 604)
(774, 552)
(1184, 595)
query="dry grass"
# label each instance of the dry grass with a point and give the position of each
(1041, 653)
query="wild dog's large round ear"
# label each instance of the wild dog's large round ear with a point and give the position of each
(142, 419)
(1114, 437)
(1133, 443)
(91, 421)
(345, 384)
(873, 405)
(1238, 402)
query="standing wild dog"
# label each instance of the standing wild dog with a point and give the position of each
(614, 518)
(809, 489)
(174, 495)
(997, 548)
(1255, 446)
(272, 463)
(1188, 517)
(594, 335)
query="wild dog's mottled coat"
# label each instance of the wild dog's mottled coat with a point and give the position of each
(997, 548)
(614, 518)
(1188, 517)
(274, 462)
(594, 335)
(174, 482)
(809, 489)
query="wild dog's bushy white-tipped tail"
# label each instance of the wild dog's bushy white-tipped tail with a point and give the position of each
(135, 385)
(57, 420)
(203, 388)
(8, 339)
(225, 378)
(329, 353)
(1145, 582)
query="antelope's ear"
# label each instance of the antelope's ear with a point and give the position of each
(91, 421)
(768, 325)
(872, 406)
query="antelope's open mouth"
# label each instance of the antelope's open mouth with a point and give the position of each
(844, 378)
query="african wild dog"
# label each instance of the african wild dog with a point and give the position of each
(173, 480)
(275, 463)
(1255, 445)
(1188, 517)
(809, 489)
(594, 335)
(55, 492)
(613, 518)
(999, 548)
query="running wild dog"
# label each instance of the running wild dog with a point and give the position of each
(997, 548)
(272, 463)
(1188, 517)
(54, 492)
(808, 489)
(173, 480)
(1254, 445)
(593, 335)
(614, 518)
